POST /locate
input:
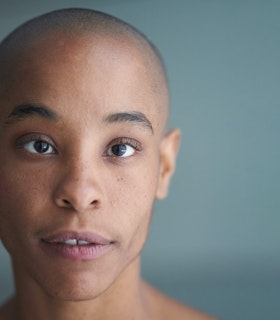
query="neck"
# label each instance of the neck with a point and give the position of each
(125, 299)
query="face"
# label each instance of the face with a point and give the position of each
(82, 159)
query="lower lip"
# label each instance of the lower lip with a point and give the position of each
(86, 252)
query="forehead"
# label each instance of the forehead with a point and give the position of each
(96, 73)
(82, 58)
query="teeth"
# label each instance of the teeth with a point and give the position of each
(82, 242)
(71, 242)
(75, 242)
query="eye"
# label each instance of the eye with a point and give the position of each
(39, 146)
(121, 150)
(36, 144)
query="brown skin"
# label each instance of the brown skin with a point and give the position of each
(78, 184)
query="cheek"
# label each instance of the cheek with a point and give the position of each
(19, 202)
(136, 189)
(133, 203)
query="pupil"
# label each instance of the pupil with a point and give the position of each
(119, 150)
(41, 146)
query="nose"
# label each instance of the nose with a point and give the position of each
(78, 188)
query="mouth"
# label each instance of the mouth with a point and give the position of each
(77, 245)
(77, 242)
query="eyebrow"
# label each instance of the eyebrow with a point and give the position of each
(24, 111)
(132, 116)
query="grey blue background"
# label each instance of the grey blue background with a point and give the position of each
(214, 243)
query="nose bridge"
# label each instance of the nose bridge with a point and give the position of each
(78, 172)
(78, 184)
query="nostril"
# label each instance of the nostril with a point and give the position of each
(95, 204)
(77, 202)
(70, 204)
(66, 202)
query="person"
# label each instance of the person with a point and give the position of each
(84, 154)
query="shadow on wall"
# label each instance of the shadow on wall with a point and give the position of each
(6, 280)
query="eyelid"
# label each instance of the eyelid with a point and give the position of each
(125, 140)
(133, 143)
(29, 137)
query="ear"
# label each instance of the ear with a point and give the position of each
(168, 153)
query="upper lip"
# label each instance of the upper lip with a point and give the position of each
(61, 237)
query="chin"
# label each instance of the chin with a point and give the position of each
(76, 295)
(64, 284)
(75, 289)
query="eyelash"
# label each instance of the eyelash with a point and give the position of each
(136, 145)
(24, 141)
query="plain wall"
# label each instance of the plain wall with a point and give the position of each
(214, 242)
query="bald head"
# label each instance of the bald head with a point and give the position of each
(80, 23)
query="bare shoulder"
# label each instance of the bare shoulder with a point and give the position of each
(165, 308)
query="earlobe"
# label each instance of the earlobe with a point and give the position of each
(168, 153)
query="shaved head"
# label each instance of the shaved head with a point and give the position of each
(84, 150)
(73, 23)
